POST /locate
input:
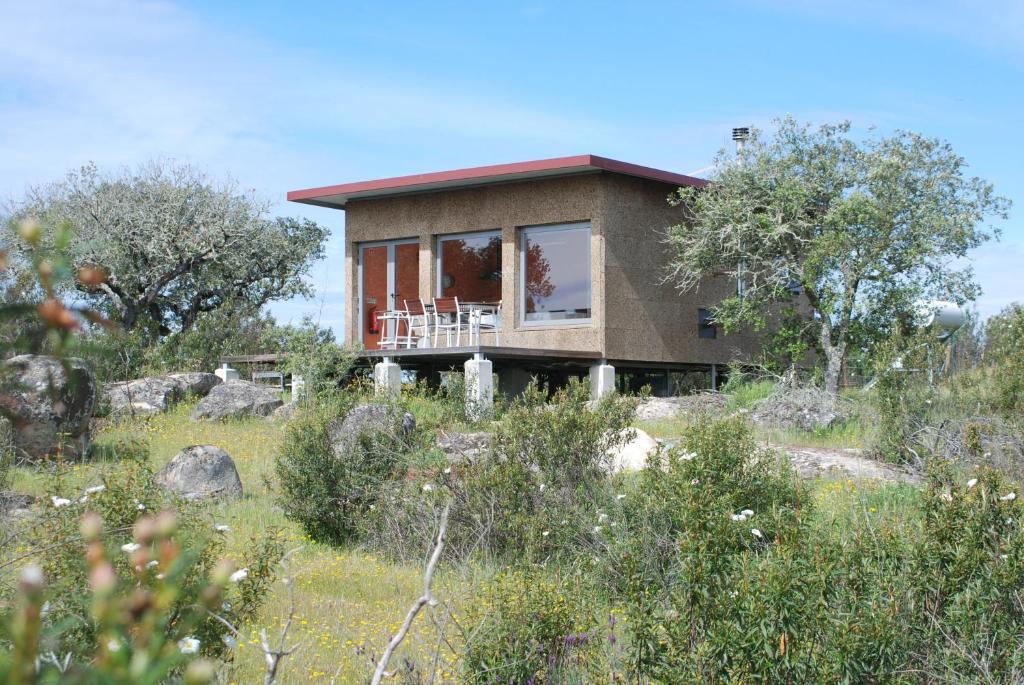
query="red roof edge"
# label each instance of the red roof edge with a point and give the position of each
(484, 173)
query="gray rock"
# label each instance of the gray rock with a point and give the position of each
(285, 412)
(195, 383)
(235, 399)
(459, 447)
(14, 501)
(201, 471)
(145, 396)
(656, 408)
(630, 450)
(370, 419)
(51, 407)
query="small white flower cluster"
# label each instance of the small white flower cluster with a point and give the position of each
(221, 528)
(188, 645)
(59, 502)
(743, 515)
(238, 575)
(131, 547)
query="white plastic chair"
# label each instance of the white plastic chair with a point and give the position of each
(448, 317)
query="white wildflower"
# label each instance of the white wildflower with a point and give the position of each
(188, 645)
(94, 489)
(971, 483)
(1008, 497)
(747, 512)
(620, 496)
(141, 507)
(1009, 520)
(113, 645)
(59, 501)
(161, 576)
(428, 487)
(734, 594)
(221, 528)
(239, 575)
(130, 547)
(695, 481)
(687, 456)
(602, 518)
(739, 517)
(597, 529)
(541, 487)
(756, 533)
(1003, 557)
(152, 564)
(946, 497)
(447, 470)
(546, 533)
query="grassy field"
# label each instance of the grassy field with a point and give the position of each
(348, 602)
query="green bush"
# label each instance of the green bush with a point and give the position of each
(1005, 356)
(174, 575)
(329, 486)
(526, 627)
(792, 594)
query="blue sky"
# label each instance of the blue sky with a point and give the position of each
(286, 95)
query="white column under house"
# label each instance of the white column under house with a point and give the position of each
(479, 386)
(602, 379)
(387, 378)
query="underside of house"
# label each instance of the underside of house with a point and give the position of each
(556, 267)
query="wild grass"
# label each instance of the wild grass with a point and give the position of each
(348, 601)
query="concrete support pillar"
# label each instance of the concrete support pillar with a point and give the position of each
(387, 379)
(714, 377)
(602, 380)
(512, 381)
(479, 387)
(298, 387)
(226, 373)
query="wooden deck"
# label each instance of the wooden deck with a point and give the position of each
(493, 352)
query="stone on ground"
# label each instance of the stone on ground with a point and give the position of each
(632, 455)
(157, 394)
(655, 408)
(51, 408)
(285, 412)
(201, 471)
(461, 447)
(369, 420)
(236, 399)
(816, 462)
(15, 503)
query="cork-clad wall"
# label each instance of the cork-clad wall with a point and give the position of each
(647, 318)
(634, 317)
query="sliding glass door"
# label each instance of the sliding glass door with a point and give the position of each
(389, 274)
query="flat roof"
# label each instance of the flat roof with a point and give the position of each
(337, 196)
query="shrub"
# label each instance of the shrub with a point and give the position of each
(901, 398)
(832, 600)
(1005, 333)
(162, 572)
(329, 485)
(525, 627)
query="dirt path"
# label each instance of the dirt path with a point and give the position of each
(812, 462)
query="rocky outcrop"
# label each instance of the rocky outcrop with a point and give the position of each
(658, 408)
(51, 406)
(201, 471)
(236, 399)
(156, 394)
(462, 447)
(370, 420)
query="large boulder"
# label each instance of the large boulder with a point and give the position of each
(370, 420)
(632, 449)
(195, 383)
(235, 399)
(157, 394)
(145, 396)
(201, 471)
(657, 408)
(51, 407)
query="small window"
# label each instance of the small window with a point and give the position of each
(554, 275)
(706, 325)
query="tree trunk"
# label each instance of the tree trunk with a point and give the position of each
(835, 353)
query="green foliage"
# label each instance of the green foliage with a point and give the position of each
(525, 627)
(164, 244)
(328, 484)
(1005, 355)
(901, 397)
(789, 594)
(849, 233)
(312, 353)
(153, 582)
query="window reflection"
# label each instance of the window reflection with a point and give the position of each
(556, 274)
(470, 267)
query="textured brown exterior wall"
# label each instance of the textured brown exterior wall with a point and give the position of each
(647, 319)
(635, 317)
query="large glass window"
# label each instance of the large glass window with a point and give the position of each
(469, 267)
(554, 276)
